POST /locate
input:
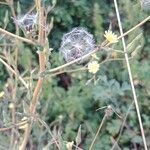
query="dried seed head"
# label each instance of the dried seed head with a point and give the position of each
(145, 4)
(26, 22)
(76, 44)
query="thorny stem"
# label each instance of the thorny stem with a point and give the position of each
(130, 76)
(100, 126)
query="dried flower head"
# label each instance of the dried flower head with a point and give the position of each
(111, 37)
(26, 22)
(145, 4)
(76, 44)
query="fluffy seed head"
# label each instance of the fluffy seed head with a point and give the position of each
(76, 43)
(27, 21)
(145, 4)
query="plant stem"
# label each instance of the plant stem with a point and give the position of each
(39, 83)
(100, 126)
(9, 68)
(14, 135)
(3, 3)
(132, 29)
(42, 61)
(34, 100)
(17, 37)
(122, 126)
(130, 76)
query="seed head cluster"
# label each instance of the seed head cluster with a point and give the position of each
(76, 44)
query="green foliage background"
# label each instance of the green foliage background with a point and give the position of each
(66, 102)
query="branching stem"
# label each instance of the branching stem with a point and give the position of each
(99, 47)
(17, 37)
(42, 61)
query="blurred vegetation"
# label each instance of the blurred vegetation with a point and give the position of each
(66, 101)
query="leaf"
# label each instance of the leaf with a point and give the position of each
(25, 107)
(134, 44)
(125, 86)
(113, 127)
(136, 51)
(137, 139)
(78, 137)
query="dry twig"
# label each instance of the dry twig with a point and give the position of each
(130, 76)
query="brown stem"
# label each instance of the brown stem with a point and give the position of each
(99, 128)
(42, 61)
(34, 100)
(131, 77)
(13, 135)
(39, 83)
